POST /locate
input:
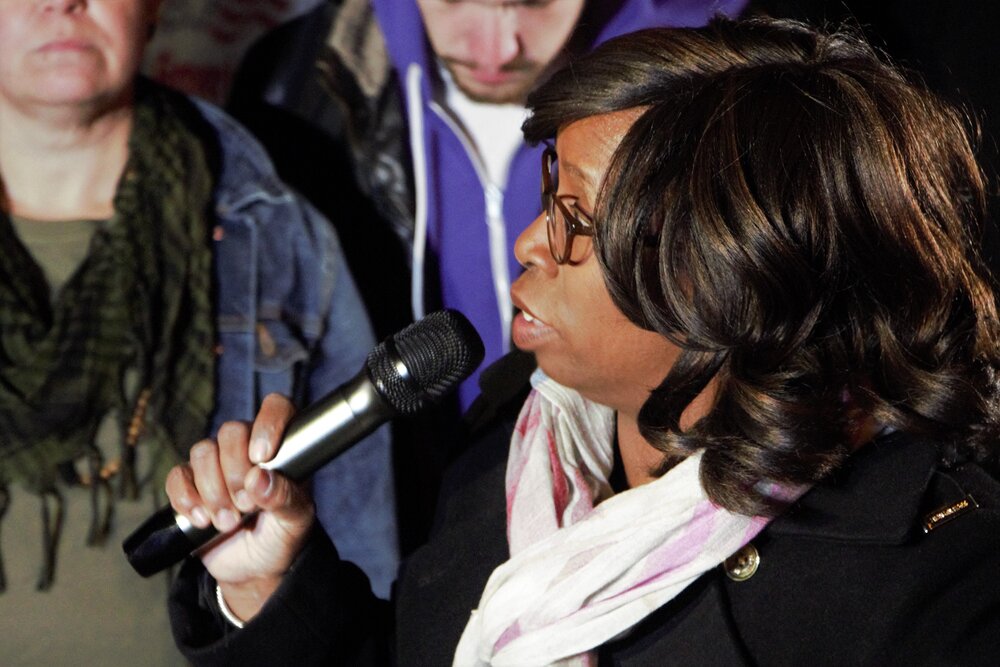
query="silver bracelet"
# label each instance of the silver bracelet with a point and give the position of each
(226, 611)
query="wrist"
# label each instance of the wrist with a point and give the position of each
(227, 613)
(244, 600)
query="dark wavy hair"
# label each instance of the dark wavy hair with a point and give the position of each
(801, 218)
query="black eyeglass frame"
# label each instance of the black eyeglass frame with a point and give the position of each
(576, 222)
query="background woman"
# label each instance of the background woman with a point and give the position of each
(156, 279)
(765, 410)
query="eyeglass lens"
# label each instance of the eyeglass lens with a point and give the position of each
(555, 224)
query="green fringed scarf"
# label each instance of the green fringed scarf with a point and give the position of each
(141, 300)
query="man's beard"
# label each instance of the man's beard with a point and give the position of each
(513, 92)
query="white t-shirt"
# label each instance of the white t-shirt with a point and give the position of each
(493, 129)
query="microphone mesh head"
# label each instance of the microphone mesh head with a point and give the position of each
(426, 360)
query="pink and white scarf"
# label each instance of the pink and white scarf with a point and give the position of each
(586, 565)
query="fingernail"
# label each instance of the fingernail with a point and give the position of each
(263, 483)
(242, 500)
(200, 517)
(226, 520)
(258, 450)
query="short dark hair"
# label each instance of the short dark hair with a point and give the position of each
(801, 217)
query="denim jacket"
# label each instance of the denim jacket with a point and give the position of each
(289, 320)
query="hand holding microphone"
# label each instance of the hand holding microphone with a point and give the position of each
(402, 375)
(220, 483)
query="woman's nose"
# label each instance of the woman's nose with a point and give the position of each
(532, 247)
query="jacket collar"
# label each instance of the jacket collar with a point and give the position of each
(246, 174)
(504, 386)
(875, 497)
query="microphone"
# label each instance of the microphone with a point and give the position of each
(404, 374)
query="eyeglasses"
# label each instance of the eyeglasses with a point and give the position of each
(564, 219)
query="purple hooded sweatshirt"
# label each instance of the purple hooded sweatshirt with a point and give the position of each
(451, 231)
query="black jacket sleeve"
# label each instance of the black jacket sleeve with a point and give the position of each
(324, 613)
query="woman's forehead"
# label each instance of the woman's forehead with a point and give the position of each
(585, 146)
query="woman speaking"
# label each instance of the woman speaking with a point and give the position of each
(765, 409)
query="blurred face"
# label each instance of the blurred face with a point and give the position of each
(70, 52)
(496, 49)
(567, 318)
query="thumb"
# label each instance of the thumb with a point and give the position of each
(275, 493)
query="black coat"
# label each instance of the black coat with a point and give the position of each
(848, 576)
